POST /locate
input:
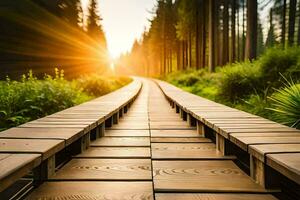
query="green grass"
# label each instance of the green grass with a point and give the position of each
(30, 98)
(258, 87)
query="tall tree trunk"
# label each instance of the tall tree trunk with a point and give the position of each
(212, 35)
(190, 49)
(238, 31)
(283, 31)
(225, 43)
(164, 58)
(233, 38)
(243, 31)
(298, 38)
(197, 41)
(203, 39)
(183, 55)
(178, 63)
(171, 59)
(251, 39)
(186, 54)
(218, 34)
(292, 20)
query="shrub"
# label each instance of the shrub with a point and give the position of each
(278, 61)
(97, 85)
(30, 98)
(239, 81)
(286, 103)
(257, 105)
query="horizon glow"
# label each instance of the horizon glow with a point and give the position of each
(123, 22)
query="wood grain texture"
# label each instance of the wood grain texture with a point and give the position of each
(45, 147)
(70, 135)
(211, 196)
(260, 151)
(180, 140)
(201, 176)
(287, 164)
(15, 166)
(116, 152)
(105, 169)
(186, 151)
(127, 133)
(121, 141)
(93, 191)
(174, 133)
(243, 142)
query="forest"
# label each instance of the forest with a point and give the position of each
(242, 53)
(51, 58)
(198, 34)
(41, 35)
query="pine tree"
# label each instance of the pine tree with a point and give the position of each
(94, 27)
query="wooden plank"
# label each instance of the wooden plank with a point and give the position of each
(70, 135)
(259, 151)
(243, 142)
(28, 125)
(105, 169)
(45, 147)
(212, 196)
(201, 176)
(287, 164)
(116, 152)
(186, 151)
(174, 133)
(127, 133)
(93, 190)
(121, 142)
(180, 140)
(227, 132)
(265, 134)
(258, 155)
(15, 166)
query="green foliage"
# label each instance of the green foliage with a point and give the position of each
(97, 85)
(199, 82)
(239, 80)
(286, 105)
(256, 104)
(277, 61)
(253, 87)
(30, 98)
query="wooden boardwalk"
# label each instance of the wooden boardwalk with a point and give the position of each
(151, 153)
(150, 140)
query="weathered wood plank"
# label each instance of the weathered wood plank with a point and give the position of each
(116, 152)
(105, 169)
(180, 140)
(45, 147)
(201, 176)
(287, 164)
(122, 142)
(212, 196)
(204, 151)
(15, 166)
(70, 135)
(127, 133)
(93, 190)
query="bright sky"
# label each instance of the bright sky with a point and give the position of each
(123, 22)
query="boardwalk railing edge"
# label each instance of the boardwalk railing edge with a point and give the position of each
(21, 153)
(255, 144)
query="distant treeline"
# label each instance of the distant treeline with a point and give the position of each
(44, 34)
(195, 34)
